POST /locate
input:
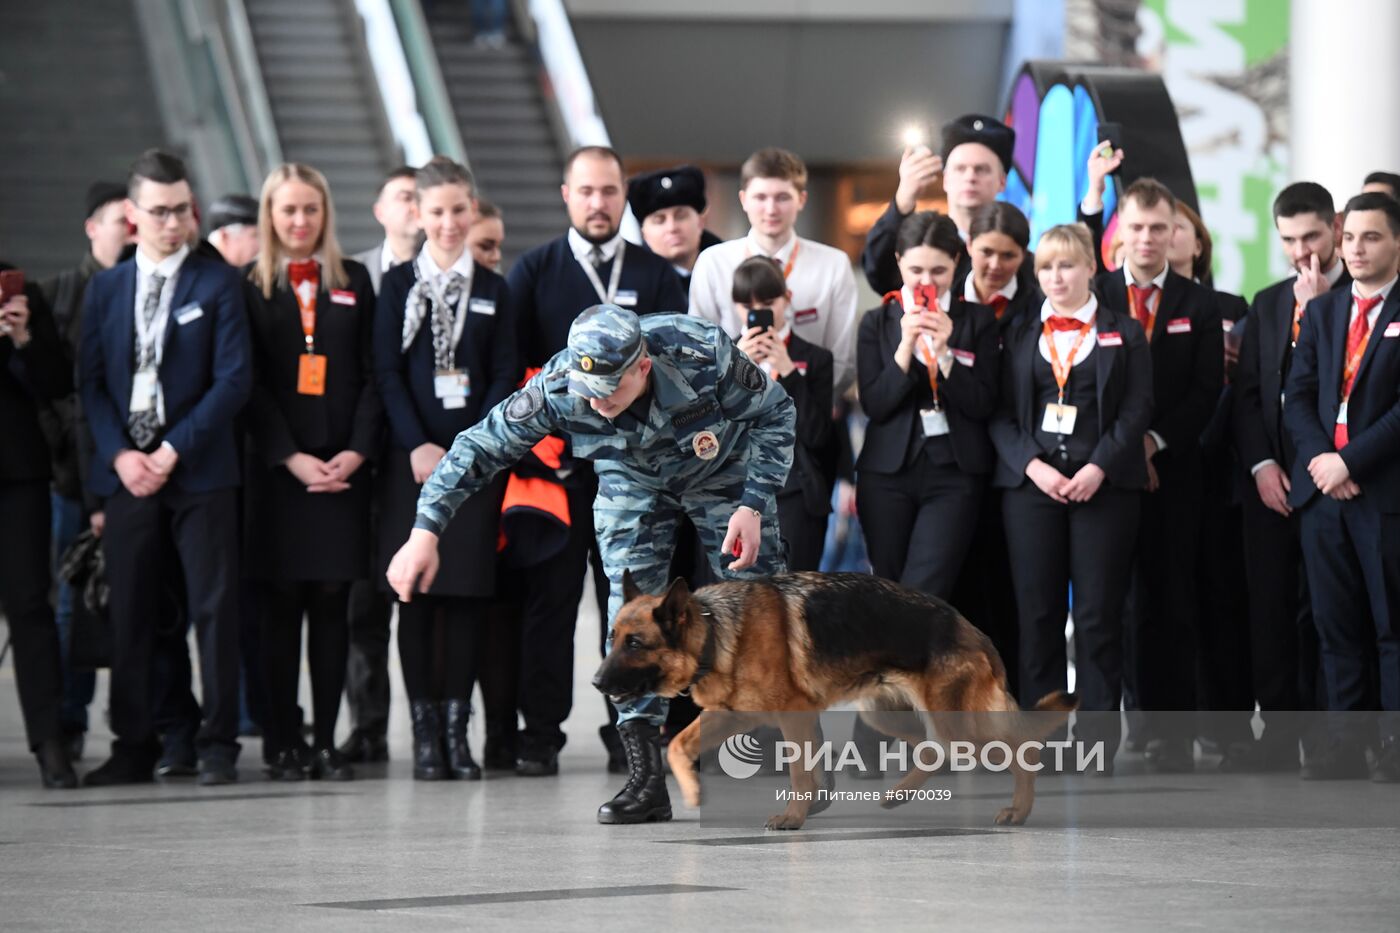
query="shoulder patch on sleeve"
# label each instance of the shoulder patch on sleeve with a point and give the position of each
(525, 404)
(748, 374)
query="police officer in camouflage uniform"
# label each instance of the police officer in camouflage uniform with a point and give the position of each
(676, 421)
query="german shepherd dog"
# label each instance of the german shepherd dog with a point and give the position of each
(796, 644)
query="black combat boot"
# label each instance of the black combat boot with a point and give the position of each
(459, 753)
(644, 799)
(428, 763)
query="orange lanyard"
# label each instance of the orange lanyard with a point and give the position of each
(1060, 370)
(921, 349)
(306, 282)
(1353, 363)
(787, 269)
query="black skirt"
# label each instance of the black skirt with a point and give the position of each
(293, 535)
(467, 548)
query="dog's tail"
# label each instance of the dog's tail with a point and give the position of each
(1052, 712)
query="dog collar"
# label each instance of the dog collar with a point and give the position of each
(707, 656)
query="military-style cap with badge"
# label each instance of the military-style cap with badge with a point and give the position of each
(102, 193)
(671, 187)
(604, 342)
(231, 210)
(976, 128)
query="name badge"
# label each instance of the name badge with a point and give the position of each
(1392, 329)
(805, 316)
(1181, 325)
(311, 374)
(626, 298)
(1342, 414)
(800, 366)
(342, 296)
(189, 313)
(1059, 419)
(452, 386)
(965, 357)
(1110, 338)
(1227, 325)
(483, 306)
(143, 390)
(935, 421)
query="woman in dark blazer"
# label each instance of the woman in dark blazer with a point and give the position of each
(1076, 399)
(806, 373)
(444, 354)
(927, 368)
(314, 419)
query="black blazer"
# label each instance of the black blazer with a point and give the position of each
(1124, 380)
(487, 352)
(1216, 434)
(887, 393)
(40, 371)
(282, 421)
(1262, 373)
(813, 456)
(1188, 367)
(1373, 413)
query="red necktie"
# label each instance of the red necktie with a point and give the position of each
(1139, 300)
(1055, 322)
(1358, 335)
(999, 303)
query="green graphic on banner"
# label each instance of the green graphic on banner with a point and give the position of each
(1225, 65)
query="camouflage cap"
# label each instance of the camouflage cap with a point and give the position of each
(604, 342)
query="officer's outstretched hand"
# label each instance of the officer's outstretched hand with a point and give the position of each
(745, 532)
(415, 563)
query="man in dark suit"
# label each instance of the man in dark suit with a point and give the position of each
(974, 161)
(670, 206)
(551, 284)
(164, 370)
(32, 366)
(367, 674)
(1283, 641)
(1342, 413)
(1182, 323)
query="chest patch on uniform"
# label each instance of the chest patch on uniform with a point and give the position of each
(694, 414)
(526, 404)
(748, 374)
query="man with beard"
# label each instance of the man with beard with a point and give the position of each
(670, 205)
(590, 264)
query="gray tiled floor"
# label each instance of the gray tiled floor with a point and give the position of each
(384, 852)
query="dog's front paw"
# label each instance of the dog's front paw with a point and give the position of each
(1010, 816)
(785, 820)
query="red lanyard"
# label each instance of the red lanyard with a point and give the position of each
(305, 278)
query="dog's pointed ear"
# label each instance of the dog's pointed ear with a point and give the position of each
(629, 587)
(672, 608)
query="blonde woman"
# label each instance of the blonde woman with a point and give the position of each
(313, 421)
(1076, 399)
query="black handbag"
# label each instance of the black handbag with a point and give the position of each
(84, 569)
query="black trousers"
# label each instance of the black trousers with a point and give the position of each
(24, 597)
(1224, 659)
(804, 533)
(984, 593)
(1285, 671)
(1088, 546)
(1163, 637)
(549, 613)
(367, 665)
(1352, 554)
(202, 530)
(919, 523)
(328, 637)
(439, 645)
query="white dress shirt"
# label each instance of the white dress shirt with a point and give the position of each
(169, 268)
(823, 295)
(1064, 339)
(1007, 291)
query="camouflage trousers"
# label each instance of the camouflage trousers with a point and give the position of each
(637, 523)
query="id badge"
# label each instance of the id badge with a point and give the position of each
(1059, 419)
(452, 386)
(311, 374)
(1342, 414)
(143, 390)
(935, 421)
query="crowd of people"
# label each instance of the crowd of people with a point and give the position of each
(268, 436)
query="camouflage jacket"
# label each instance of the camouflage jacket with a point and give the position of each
(705, 398)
